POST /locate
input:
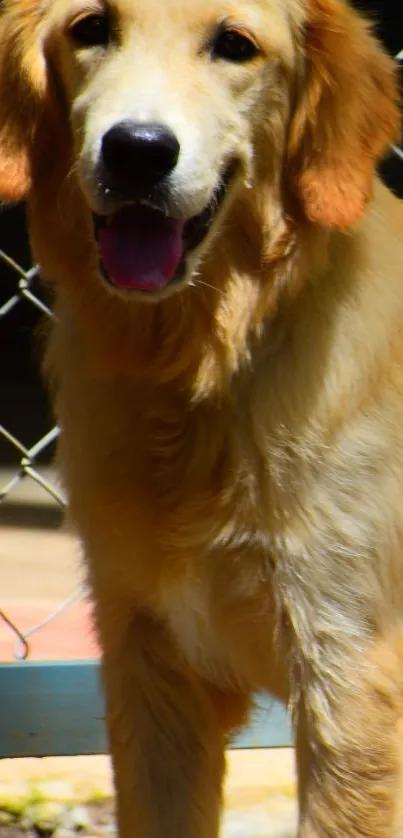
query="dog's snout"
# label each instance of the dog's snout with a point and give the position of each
(139, 154)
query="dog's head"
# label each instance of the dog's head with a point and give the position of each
(163, 114)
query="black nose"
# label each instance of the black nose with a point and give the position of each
(138, 155)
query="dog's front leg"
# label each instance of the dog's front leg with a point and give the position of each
(349, 747)
(165, 735)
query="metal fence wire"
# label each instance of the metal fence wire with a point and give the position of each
(27, 437)
(22, 303)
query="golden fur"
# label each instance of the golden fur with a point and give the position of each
(233, 453)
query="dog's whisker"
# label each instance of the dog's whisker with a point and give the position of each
(198, 281)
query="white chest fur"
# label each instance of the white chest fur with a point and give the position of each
(187, 609)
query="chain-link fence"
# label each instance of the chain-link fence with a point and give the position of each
(29, 490)
(27, 436)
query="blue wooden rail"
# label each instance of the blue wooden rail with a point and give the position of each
(56, 709)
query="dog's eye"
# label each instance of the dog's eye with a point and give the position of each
(233, 45)
(91, 31)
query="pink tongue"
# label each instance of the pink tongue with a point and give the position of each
(141, 248)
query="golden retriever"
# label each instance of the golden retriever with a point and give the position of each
(227, 369)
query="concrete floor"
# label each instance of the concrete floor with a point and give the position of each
(39, 570)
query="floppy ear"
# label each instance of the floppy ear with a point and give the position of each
(25, 100)
(346, 115)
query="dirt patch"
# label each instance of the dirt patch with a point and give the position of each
(50, 820)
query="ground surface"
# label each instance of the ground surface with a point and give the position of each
(72, 796)
(39, 569)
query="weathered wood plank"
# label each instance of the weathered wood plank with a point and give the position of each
(57, 709)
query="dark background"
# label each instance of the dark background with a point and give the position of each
(388, 17)
(23, 405)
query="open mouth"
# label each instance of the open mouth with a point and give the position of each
(143, 249)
